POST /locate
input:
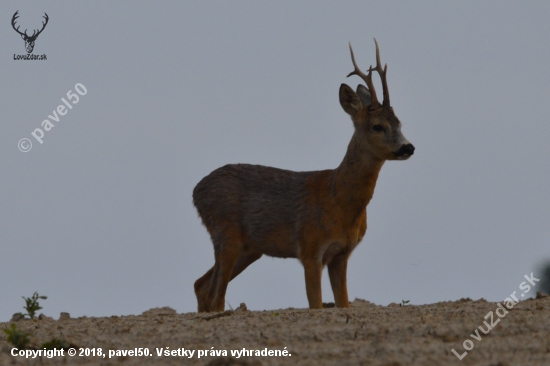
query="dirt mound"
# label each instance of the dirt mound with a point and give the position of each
(365, 334)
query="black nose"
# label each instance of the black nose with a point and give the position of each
(407, 149)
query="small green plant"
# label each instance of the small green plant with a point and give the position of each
(32, 304)
(16, 337)
(56, 344)
(404, 302)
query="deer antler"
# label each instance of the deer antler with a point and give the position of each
(368, 78)
(43, 26)
(35, 33)
(382, 74)
(15, 16)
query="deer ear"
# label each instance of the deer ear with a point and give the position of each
(349, 100)
(23, 36)
(364, 95)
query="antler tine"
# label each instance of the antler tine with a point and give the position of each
(382, 74)
(13, 19)
(377, 53)
(43, 24)
(357, 71)
(367, 78)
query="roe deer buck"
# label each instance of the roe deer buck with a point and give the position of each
(318, 217)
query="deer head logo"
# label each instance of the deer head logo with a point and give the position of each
(29, 40)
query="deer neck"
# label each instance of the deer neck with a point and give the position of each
(355, 178)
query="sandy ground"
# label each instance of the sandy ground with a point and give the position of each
(364, 334)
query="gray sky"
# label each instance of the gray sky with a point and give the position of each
(99, 217)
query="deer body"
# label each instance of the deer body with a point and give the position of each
(318, 217)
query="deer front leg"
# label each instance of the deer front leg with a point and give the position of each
(313, 270)
(337, 269)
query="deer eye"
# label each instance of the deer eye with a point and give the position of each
(378, 128)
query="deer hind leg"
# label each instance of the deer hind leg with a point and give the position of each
(244, 261)
(337, 269)
(202, 291)
(205, 287)
(228, 250)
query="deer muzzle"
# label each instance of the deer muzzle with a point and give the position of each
(405, 151)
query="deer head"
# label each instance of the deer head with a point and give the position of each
(377, 129)
(29, 40)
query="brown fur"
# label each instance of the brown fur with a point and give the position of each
(318, 217)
